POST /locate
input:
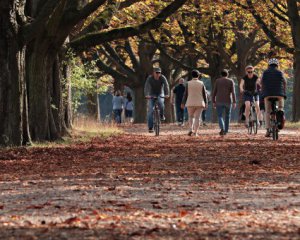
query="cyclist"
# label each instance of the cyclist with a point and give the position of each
(248, 86)
(273, 86)
(156, 85)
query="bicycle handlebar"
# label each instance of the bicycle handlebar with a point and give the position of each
(153, 97)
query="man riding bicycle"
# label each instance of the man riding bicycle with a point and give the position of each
(248, 86)
(273, 86)
(156, 85)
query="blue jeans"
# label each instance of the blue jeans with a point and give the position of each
(220, 110)
(179, 112)
(161, 106)
(117, 115)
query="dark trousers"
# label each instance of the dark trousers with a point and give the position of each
(179, 113)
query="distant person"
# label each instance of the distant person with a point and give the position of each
(195, 99)
(156, 85)
(224, 99)
(273, 86)
(178, 95)
(118, 103)
(129, 108)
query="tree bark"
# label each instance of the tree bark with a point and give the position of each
(140, 106)
(12, 58)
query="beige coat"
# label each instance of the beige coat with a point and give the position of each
(195, 94)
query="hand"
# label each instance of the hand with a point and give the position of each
(147, 97)
(234, 105)
(167, 96)
(206, 106)
(182, 106)
(214, 105)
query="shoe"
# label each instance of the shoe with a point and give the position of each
(268, 133)
(151, 130)
(204, 124)
(162, 118)
(222, 132)
(196, 135)
(260, 123)
(246, 125)
(190, 133)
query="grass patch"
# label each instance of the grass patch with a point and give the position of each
(84, 130)
(295, 125)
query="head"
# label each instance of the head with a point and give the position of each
(249, 70)
(224, 73)
(273, 62)
(156, 72)
(128, 96)
(118, 93)
(196, 74)
(181, 81)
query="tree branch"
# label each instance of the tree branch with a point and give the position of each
(94, 39)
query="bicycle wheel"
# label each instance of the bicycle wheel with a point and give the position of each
(254, 124)
(156, 122)
(250, 127)
(274, 132)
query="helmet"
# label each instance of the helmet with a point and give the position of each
(273, 61)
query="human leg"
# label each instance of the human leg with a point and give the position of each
(150, 114)
(227, 117)
(220, 116)
(191, 111)
(197, 115)
(247, 112)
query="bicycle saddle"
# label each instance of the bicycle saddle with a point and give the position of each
(273, 99)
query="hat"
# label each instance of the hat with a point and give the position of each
(156, 69)
(273, 61)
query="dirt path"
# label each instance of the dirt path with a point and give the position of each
(137, 186)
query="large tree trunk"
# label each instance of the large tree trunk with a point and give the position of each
(140, 107)
(12, 58)
(296, 87)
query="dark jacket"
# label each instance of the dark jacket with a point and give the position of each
(273, 82)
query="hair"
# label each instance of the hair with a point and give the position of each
(129, 97)
(117, 93)
(196, 74)
(224, 73)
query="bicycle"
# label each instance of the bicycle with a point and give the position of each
(156, 115)
(273, 119)
(253, 119)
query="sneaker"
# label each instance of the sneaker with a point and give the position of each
(204, 124)
(190, 133)
(196, 135)
(222, 132)
(151, 130)
(268, 133)
(162, 118)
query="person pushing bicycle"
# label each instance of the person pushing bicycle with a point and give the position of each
(156, 86)
(248, 86)
(273, 86)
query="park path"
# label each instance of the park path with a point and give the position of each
(137, 186)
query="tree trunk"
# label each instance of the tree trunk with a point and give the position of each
(12, 71)
(296, 87)
(92, 105)
(140, 107)
(168, 111)
(68, 97)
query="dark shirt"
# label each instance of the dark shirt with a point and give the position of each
(273, 82)
(224, 91)
(250, 84)
(155, 87)
(179, 92)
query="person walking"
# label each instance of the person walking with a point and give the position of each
(118, 103)
(195, 99)
(178, 95)
(224, 99)
(156, 86)
(129, 108)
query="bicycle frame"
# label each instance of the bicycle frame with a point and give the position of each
(156, 115)
(273, 119)
(252, 118)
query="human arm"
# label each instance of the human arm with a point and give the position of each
(147, 88)
(214, 93)
(242, 83)
(204, 96)
(185, 96)
(233, 94)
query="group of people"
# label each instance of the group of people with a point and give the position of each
(119, 103)
(193, 96)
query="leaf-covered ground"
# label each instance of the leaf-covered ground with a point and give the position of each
(137, 186)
